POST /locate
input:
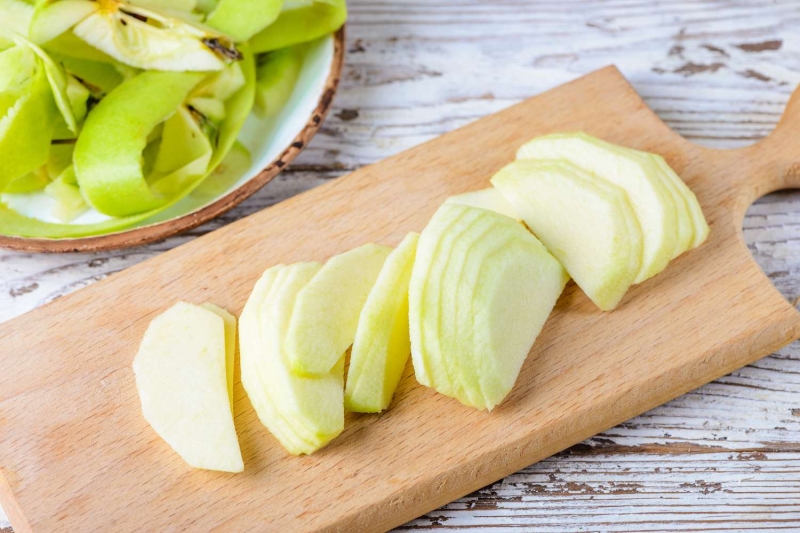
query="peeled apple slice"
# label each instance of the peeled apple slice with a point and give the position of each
(241, 19)
(300, 21)
(382, 345)
(489, 198)
(159, 43)
(588, 224)
(648, 195)
(108, 151)
(303, 413)
(497, 288)
(230, 344)
(699, 224)
(181, 374)
(277, 76)
(325, 317)
(27, 113)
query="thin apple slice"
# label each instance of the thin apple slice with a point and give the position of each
(181, 374)
(382, 345)
(586, 222)
(325, 317)
(303, 413)
(497, 285)
(425, 294)
(649, 197)
(489, 198)
(230, 343)
(699, 224)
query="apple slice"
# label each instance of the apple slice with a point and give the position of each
(382, 346)
(489, 198)
(424, 297)
(325, 317)
(303, 413)
(230, 343)
(483, 297)
(650, 198)
(586, 222)
(699, 224)
(181, 374)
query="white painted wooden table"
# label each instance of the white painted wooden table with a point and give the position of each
(725, 457)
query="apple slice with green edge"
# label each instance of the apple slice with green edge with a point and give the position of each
(382, 346)
(493, 287)
(300, 21)
(181, 374)
(29, 113)
(303, 413)
(699, 223)
(276, 76)
(489, 198)
(15, 18)
(108, 151)
(156, 43)
(241, 19)
(51, 19)
(436, 240)
(325, 317)
(586, 222)
(237, 107)
(650, 198)
(69, 201)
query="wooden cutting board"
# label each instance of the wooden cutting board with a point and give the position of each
(76, 454)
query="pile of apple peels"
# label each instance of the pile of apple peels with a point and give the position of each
(466, 299)
(126, 107)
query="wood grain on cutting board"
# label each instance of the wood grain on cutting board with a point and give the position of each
(76, 453)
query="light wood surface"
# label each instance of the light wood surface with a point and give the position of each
(724, 456)
(79, 424)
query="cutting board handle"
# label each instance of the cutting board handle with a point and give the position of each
(773, 163)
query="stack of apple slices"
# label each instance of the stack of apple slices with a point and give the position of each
(613, 216)
(466, 299)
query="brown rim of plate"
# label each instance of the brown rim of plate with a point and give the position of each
(168, 228)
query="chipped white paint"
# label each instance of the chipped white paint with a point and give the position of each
(726, 456)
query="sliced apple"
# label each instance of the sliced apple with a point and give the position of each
(699, 224)
(325, 317)
(476, 304)
(489, 198)
(181, 373)
(382, 345)
(424, 296)
(649, 196)
(588, 224)
(303, 413)
(230, 343)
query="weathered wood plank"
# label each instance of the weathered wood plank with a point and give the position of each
(718, 73)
